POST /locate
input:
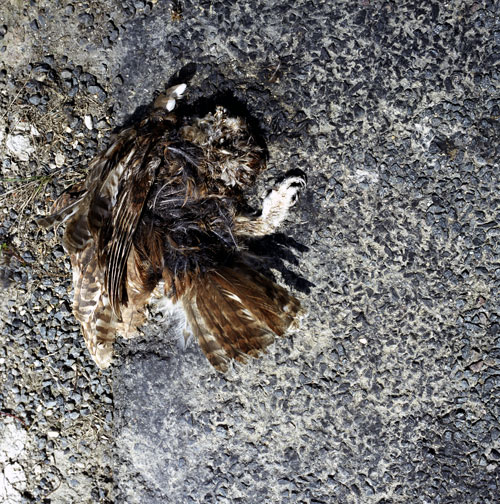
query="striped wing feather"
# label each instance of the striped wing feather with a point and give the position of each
(125, 219)
(101, 217)
(237, 312)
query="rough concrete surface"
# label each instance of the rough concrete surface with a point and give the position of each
(389, 392)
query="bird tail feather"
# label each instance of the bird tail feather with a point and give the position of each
(236, 312)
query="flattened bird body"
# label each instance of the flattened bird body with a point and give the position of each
(163, 206)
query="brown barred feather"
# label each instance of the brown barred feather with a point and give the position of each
(162, 204)
(243, 310)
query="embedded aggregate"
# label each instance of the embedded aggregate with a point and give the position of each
(389, 391)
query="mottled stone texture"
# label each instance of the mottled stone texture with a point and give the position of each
(389, 393)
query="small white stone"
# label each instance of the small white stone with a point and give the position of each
(59, 159)
(14, 473)
(366, 176)
(88, 122)
(12, 441)
(22, 127)
(20, 146)
(52, 434)
(8, 494)
(363, 341)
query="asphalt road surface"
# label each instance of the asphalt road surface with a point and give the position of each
(389, 392)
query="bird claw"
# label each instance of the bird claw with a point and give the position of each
(288, 190)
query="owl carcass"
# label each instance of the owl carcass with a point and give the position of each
(161, 214)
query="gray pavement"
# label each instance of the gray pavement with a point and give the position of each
(389, 392)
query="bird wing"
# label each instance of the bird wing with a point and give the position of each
(125, 218)
(236, 312)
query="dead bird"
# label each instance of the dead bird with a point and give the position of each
(161, 213)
